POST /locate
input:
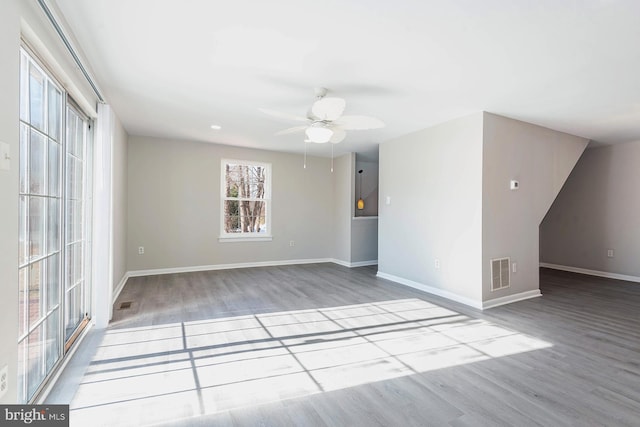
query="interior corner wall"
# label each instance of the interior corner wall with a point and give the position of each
(541, 160)
(174, 206)
(434, 181)
(364, 223)
(109, 257)
(119, 191)
(597, 210)
(369, 189)
(342, 207)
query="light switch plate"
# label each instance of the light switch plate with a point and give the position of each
(5, 156)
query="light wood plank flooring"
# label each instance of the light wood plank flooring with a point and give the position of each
(324, 345)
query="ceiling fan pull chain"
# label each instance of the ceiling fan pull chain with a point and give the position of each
(305, 155)
(331, 158)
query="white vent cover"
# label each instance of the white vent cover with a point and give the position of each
(500, 278)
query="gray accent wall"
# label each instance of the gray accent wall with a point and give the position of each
(355, 240)
(540, 159)
(364, 223)
(434, 181)
(598, 209)
(364, 239)
(174, 206)
(369, 188)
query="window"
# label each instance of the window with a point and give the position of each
(49, 269)
(77, 208)
(40, 222)
(245, 201)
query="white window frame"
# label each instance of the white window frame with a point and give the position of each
(245, 237)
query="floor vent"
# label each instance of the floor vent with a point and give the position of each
(500, 278)
(124, 305)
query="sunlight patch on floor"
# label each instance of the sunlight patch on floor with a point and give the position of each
(153, 374)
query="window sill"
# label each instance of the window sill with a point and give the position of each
(230, 239)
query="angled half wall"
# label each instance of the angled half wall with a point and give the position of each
(540, 160)
(447, 209)
(593, 226)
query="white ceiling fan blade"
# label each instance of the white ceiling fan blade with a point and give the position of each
(359, 122)
(338, 135)
(328, 108)
(291, 130)
(281, 115)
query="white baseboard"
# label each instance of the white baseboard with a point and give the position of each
(340, 262)
(191, 269)
(511, 298)
(118, 289)
(353, 264)
(431, 290)
(364, 263)
(606, 274)
(481, 305)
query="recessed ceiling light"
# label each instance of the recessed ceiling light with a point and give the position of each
(216, 127)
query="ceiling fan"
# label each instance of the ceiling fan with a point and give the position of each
(324, 121)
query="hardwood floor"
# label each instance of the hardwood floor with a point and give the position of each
(324, 345)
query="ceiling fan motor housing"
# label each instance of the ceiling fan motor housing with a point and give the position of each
(325, 120)
(321, 92)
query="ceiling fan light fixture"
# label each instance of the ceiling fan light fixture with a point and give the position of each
(319, 134)
(325, 121)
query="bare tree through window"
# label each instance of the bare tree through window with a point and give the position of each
(245, 197)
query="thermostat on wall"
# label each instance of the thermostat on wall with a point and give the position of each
(514, 184)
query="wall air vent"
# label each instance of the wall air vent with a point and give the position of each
(500, 278)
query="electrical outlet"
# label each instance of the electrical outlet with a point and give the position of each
(437, 263)
(609, 253)
(140, 250)
(292, 243)
(4, 380)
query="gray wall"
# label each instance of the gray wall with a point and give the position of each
(451, 201)
(541, 160)
(598, 209)
(434, 179)
(16, 17)
(364, 224)
(342, 207)
(174, 206)
(364, 239)
(369, 187)
(354, 240)
(119, 201)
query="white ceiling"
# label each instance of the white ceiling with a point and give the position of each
(173, 68)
